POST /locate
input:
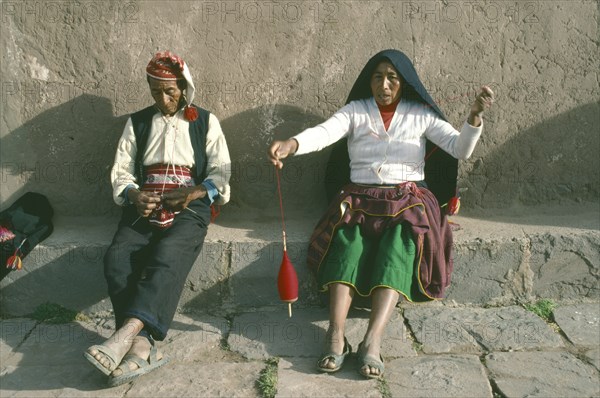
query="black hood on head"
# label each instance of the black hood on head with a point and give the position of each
(441, 169)
(412, 88)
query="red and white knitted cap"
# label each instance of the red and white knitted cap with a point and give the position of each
(168, 66)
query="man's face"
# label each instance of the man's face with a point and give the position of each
(166, 94)
(386, 85)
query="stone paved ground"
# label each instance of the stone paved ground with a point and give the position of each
(431, 350)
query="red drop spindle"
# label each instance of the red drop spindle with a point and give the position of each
(287, 280)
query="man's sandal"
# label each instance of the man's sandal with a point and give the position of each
(143, 366)
(107, 352)
(371, 361)
(338, 360)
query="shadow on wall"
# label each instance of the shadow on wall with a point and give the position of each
(66, 153)
(254, 181)
(251, 279)
(553, 161)
(248, 135)
(80, 266)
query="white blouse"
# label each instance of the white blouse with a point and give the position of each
(390, 157)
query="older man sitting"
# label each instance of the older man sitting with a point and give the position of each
(172, 164)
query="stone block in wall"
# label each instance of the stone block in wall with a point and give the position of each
(482, 269)
(566, 266)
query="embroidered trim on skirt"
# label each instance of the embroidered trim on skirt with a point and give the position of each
(378, 209)
(368, 263)
(162, 178)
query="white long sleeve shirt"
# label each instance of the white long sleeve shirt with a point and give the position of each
(169, 143)
(389, 157)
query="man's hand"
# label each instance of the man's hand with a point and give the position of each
(144, 202)
(281, 150)
(178, 199)
(483, 101)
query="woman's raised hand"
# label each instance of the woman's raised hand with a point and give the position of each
(281, 150)
(483, 101)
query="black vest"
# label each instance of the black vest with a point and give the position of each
(142, 123)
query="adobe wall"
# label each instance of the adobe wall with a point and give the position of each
(72, 71)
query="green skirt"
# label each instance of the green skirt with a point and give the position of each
(366, 263)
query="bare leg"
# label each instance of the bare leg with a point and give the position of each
(383, 304)
(340, 299)
(120, 342)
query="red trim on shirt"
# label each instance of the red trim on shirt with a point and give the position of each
(387, 112)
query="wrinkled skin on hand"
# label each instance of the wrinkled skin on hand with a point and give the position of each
(144, 202)
(175, 200)
(178, 199)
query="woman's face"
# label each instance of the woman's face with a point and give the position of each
(386, 85)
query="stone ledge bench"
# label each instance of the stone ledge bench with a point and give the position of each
(501, 257)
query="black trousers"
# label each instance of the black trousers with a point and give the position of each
(146, 267)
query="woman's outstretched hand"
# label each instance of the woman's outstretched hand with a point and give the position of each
(281, 150)
(483, 101)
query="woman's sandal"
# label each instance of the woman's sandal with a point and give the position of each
(338, 360)
(371, 361)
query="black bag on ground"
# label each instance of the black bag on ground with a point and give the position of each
(30, 220)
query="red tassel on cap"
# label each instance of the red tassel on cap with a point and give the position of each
(190, 113)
